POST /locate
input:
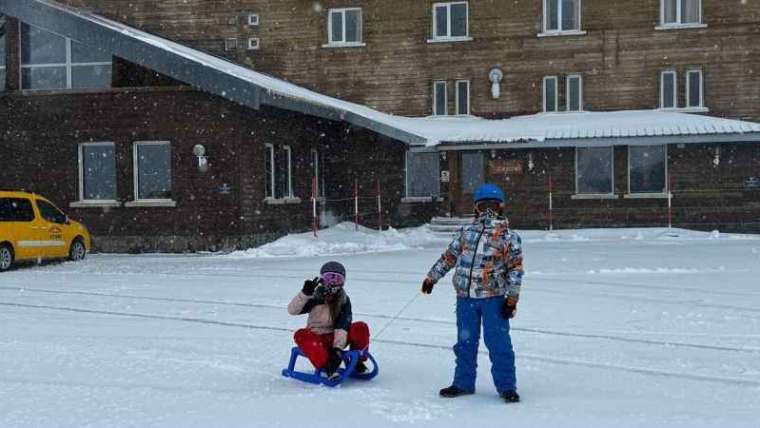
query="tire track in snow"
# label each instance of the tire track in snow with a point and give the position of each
(610, 337)
(563, 361)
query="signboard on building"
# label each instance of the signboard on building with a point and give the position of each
(506, 167)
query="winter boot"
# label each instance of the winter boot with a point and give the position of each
(360, 368)
(453, 391)
(510, 396)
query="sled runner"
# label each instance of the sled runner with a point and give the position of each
(350, 358)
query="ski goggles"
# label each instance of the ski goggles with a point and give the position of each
(333, 279)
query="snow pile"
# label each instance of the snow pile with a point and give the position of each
(628, 234)
(344, 239)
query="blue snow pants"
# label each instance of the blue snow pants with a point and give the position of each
(470, 312)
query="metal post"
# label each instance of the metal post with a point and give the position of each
(551, 205)
(670, 202)
(356, 204)
(315, 217)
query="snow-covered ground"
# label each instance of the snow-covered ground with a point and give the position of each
(620, 328)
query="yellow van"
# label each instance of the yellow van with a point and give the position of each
(32, 228)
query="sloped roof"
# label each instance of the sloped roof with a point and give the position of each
(248, 87)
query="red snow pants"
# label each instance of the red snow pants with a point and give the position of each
(316, 346)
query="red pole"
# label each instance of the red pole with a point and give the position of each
(551, 205)
(379, 207)
(315, 223)
(356, 204)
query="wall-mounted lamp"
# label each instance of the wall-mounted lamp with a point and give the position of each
(493, 154)
(495, 76)
(716, 158)
(531, 164)
(200, 152)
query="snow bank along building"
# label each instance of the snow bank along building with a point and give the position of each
(181, 125)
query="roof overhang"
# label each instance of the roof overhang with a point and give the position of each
(198, 69)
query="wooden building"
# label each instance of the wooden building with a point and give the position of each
(661, 95)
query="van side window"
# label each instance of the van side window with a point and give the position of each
(16, 209)
(51, 213)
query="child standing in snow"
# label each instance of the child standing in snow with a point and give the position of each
(329, 327)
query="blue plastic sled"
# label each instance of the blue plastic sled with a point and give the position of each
(350, 358)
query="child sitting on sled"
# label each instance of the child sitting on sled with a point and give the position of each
(329, 328)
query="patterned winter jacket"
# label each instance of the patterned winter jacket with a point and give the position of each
(488, 259)
(320, 319)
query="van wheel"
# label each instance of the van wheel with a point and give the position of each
(6, 257)
(77, 252)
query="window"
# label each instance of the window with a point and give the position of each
(593, 170)
(253, 43)
(440, 98)
(230, 44)
(345, 26)
(2, 53)
(16, 209)
(50, 213)
(680, 12)
(450, 21)
(668, 90)
(253, 19)
(153, 171)
(463, 97)
(319, 179)
(574, 97)
(551, 103)
(562, 16)
(49, 61)
(422, 171)
(270, 171)
(694, 89)
(647, 169)
(279, 165)
(97, 172)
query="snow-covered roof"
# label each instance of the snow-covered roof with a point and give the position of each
(249, 87)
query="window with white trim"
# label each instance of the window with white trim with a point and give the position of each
(451, 21)
(694, 89)
(440, 98)
(279, 167)
(562, 16)
(680, 12)
(647, 169)
(463, 97)
(253, 19)
(345, 26)
(574, 96)
(253, 43)
(97, 172)
(422, 172)
(152, 170)
(668, 89)
(50, 61)
(2, 52)
(594, 170)
(551, 100)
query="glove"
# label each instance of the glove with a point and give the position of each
(509, 308)
(427, 286)
(309, 285)
(334, 359)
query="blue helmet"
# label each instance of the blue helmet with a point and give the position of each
(489, 192)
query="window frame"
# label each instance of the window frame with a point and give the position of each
(448, 37)
(611, 194)
(253, 19)
(80, 151)
(254, 43)
(270, 192)
(679, 18)
(289, 151)
(136, 171)
(3, 65)
(344, 42)
(556, 93)
(456, 86)
(667, 181)
(662, 89)
(561, 31)
(407, 196)
(580, 92)
(689, 72)
(445, 97)
(69, 65)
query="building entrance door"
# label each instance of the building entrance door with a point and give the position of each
(472, 175)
